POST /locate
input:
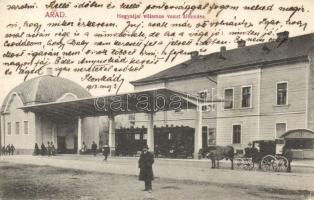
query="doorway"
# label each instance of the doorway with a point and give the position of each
(61, 144)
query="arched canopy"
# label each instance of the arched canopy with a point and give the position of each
(298, 134)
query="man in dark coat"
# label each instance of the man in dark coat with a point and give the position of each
(94, 148)
(145, 164)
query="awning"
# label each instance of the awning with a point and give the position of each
(135, 102)
(298, 134)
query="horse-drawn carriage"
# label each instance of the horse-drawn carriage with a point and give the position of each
(270, 155)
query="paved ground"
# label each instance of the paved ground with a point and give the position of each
(20, 181)
(300, 179)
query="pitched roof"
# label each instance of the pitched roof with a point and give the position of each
(290, 48)
(44, 89)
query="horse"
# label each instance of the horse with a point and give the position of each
(217, 153)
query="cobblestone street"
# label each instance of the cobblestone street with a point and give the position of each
(87, 177)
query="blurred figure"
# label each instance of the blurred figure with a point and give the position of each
(3, 150)
(43, 149)
(49, 148)
(8, 149)
(36, 150)
(94, 148)
(289, 155)
(83, 149)
(12, 149)
(53, 149)
(105, 151)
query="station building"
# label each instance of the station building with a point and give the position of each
(230, 97)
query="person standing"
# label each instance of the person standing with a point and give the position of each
(53, 149)
(36, 150)
(43, 149)
(12, 149)
(8, 149)
(94, 148)
(289, 155)
(145, 164)
(83, 150)
(105, 151)
(49, 148)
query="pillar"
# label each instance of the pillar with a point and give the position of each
(112, 135)
(79, 135)
(96, 130)
(54, 133)
(150, 132)
(198, 131)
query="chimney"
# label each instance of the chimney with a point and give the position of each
(241, 43)
(194, 55)
(283, 35)
(49, 71)
(223, 50)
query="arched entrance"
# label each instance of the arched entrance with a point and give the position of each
(301, 142)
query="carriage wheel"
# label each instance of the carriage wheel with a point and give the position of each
(267, 163)
(238, 162)
(248, 164)
(281, 164)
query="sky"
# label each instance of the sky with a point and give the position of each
(305, 14)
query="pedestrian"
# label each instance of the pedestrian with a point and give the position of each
(12, 149)
(43, 149)
(288, 154)
(83, 150)
(145, 164)
(94, 148)
(105, 151)
(36, 150)
(3, 150)
(49, 148)
(8, 149)
(53, 149)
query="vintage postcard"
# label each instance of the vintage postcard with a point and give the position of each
(162, 100)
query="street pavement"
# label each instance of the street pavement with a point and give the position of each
(301, 178)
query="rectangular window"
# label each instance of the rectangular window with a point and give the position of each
(25, 127)
(17, 128)
(246, 97)
(236, 134)
(281, 128)
(228, 104)
(9, 128)
(282, 93)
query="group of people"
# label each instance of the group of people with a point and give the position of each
(50, 150)
(7, 150)
(94, 148)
